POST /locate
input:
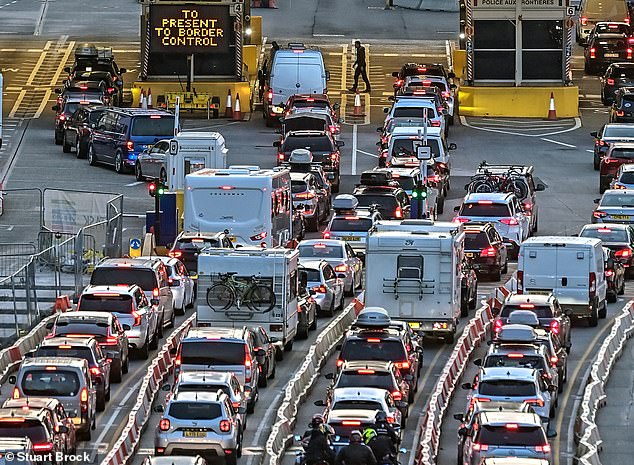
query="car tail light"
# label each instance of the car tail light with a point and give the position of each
(520, 282)
(280, 156)
(16, 393)
(333, 156)
(629, 53)
(480, 399)
(129, 145)
(592, 281)
(609, 273)
(95, 371)
(351, 423)
(110, 341)
(554, 327)
(527, 306)
(164, 424)
(374, 339)
(62, 117)
(155, 292)
(479, 447)
(606, 160)
(175, 254)
(137, 318)
(515, 355)
(326, 234)
(339, 363)
(553, 360)
(398, 213)
(435, 123)
(398, 83)
(584, 20)
(341, 268)
(446, 94)
(626, 20)
(305, 195)
(402, 365)
(511, 426)
(332, 128)
(248, 365)
(509, 221)
(390, 419)
(111, 90)
(538, 402)
(528, 207)
(177, 362)
(619, 113)
(630, 40)
(610, 81)
(488, 252)
(225, 426)
(43, 447)
(320, 289)
(497, 325)
(599, 214)
(269, 96)
(259, 237)
(397, 395)
(593, 52)
(84, 395)
(601, 143)
(460, 219)
(235, 404)
(623, 253)
(545, 448)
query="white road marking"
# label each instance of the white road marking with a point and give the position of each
(354, 150)
(369, 154)
(559, 143)
(328, 35)
(577, 125)
(17, 103)
(43, 103)
(591, 151)
(132, 184)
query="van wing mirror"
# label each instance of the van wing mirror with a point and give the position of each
(458, 416)
(594, 134)
(477, 362)
(456, 208)
(540, 187)
(12, 379)
(277, 144)
(319, 403)
(466, 386)
(173, 351)
(329, 376)
(395, 74)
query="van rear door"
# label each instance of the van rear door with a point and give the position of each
(540, 269)
(294, 75)
(573, 268)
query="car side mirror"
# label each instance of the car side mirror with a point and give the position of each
(477, 362)
(154, 301)
(466, 386)
(340, 143)
(123, 70)
(12, 379)
(386, 110)
(159, 409)
(166, 387)
(552, 388)
(451, 75)
(453, 86)
(456, 208)
(395, 74)
(277, 144)
(336, 106)
(408, 378)
(379, 129)
(173, 351)
(242, 410)
(458, 416)
(330, 376)
(72, 415)
(126, 327)
(62, 429)
(260, 353)
(312, 292)
(274, 340)
(50, 325)
(445, 112)
(67, 69)
(463, 431)
(55, 108)
(594, 134)
(540, 187)
(391, 98)
(338, 347)
(278, 131)
(596, 201)
(327, 75)
(319, 403)
(452, 146)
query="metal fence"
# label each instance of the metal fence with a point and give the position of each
(14, 256)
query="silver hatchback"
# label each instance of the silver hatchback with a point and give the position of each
(201, 423)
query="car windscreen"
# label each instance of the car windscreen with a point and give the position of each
(104, 276)
(355, 224)
(385, 202)
(624, 131)
(506, 388)
(20, 428)
(542, 311)
(154, 125)
(611, 44)
(204, 411)
(203, 387)
(320, 251)
(406, 147)
(617, 200)
(51, 383)
(196, 244)
(612, 28)
(476, 240)
(312, 143)
(512, 435)
(64, 328)
(372, 379)
(212, 352)
(312, 275)
(64, 350)
(485, 209)
(298, 186)
(360, 404)
(119, 303)
(606, 234)
(385, 350)
(621, 152)
(515, 361)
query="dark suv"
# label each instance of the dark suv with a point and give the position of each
(618, 154)
(66, 106)
(378, 188)
(419, 69)
(609, 133)
(122, 134)
(188, 245)
(616, 76)
(77, 129)
(486, 250)
(605, 49)
(622, 110)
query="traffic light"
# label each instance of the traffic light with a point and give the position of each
(152, 189)
(156, 188)
(419, 192)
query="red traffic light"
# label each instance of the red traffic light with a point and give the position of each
(152, 189)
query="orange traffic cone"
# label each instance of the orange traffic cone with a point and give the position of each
(141, 98)
(552, 113)
(237, 114)
(229, 107)
(149, 97)
(358, 111)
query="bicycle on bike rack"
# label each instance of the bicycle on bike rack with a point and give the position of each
(487, 182)
(229, 291)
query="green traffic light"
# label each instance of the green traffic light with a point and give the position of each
(414, 194)
(160, 191)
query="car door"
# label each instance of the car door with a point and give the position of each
(99, 137)
(167, 298)
(331, 280)
(496, 241)
(352, 261)
(143, 304)
(75, 121)
(156, 159)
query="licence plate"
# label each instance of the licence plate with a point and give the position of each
(351, 238)
(611, 55)
(621, 217)
(414, 324)
(233, 239)
(539, 292)
(469, 254)
(195, 434)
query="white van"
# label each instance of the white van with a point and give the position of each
(594, 11)
(191, 152)
(571, 268)
(294, 70)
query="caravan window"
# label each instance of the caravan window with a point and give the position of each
(409, 267)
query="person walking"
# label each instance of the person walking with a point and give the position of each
(359, 67)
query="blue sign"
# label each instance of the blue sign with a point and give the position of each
(135, 243)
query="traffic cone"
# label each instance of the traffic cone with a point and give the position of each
(358, 111)
(149, 97)
(141, 98)
(552, 113)
(229, 107)
(237, 114)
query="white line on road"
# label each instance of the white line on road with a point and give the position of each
(577, 125)
(60, 68)
(132, 184)
(43, 103)
(591, 151)
(367, 153)
(17, 103)
(559, 143)
(354, 150)
(39, 25)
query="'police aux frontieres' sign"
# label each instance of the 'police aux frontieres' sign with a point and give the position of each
(511, 4)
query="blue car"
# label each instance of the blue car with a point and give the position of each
(122, 134)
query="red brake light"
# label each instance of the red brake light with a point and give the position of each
(509, 221)
(95, 371)
(527, 306)
(326, 234)
(485, 202)
(398, 213)
(130, 145)
(599, 214)
(320, 289)
(305, 195)
(83, 87)
(155, 292)
(497, 325)
(374, 339)
(269, 96)
(626, 20)
(624, 253)
(333, 156)
(584, 20)
(235, 404)
(553, 360)
(592, 280)
(479, 447)
(397, 395)
(593, 52)
(435, 123)
(177, 362)
(488, 252)
(460, 219)
(225, 426)
(629, 53)
(111, 340)
(402, 365)
(341, 268)
(610, 81)
(62, 117)
(511, 426)
(339, 363)
(554, 327)
(538, 402)
(164, 425)
(609, 273)
(520, 281)
(43, 447)
(619, 113)
(514, 355)
(545, 448)
(84, 395)
(226, 188)
(390, 419)
(351, 423)
(248, 364)
(280, 156)
(259, 237)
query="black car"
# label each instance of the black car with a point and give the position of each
(66, 107)
(486, 250)
(622, 110)
(468, 288)
(77, 129)
(612, 132)
(89, 58)
(614, 275)
(605, 49)
(616, 76)
(420, 69)
(393, 202)
(616, 237)
(306, 307)
(188, 245)
(103, 79)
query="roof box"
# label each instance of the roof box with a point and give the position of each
(345, 202)
(376, 178)
(373, 317)
(523, 317)
(516, 333)
(301, 156)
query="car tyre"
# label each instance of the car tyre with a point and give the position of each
(117, 375)
(231, 459)
(611, 297)
(263, 381)
(92, 159)
(173, 319)
(101, 403)
(279, 355)
(144, 352)
(604, 309)
(350, 292)
(154, 341)
(79, 153)
(473, 303)
(108, 393)
(58, 138)
(621, 290)
(593, 320)
(272, 376)
(118, 163)
(288, 346)
(66, 148)
(313, 325)
(312, 224)
(138, 173)
(126, 365)
(160, 329)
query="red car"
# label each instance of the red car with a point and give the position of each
(618, 154)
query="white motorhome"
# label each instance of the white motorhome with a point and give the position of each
(571, 268)
(192, 151)
(1, 89)
(253, 204)
(249, 286)
(415, 275)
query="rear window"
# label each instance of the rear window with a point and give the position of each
(64, 328)
(623, 152)
(506, 388)
(380, 380)
(515, 361)
(385, 202)
(320, 251)
(298, 186)
(196, 244)
(69, 351)
(522, 436)
(351, 224)
(103, 276)
(195, 410)
(485, 209)
(612, 28)
(617, 200)
(312, 275)
(405, 147)
(155, 125)
(607, 234)
(32, 429)
(620, 131)
(414, 112)
(476, 241)
(385, 350)
(357, 405)
(611, 44)
(51, 383)
(314, 144)
(627, 177)
(406, 182)
(542, 311)
(120, 303)
(203, 388)
(212, 353)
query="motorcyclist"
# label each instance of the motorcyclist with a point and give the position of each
(314, 424)
(356, 453)
(318, 449)
(381, 445)
(383, 428)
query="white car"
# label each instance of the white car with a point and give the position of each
(323, 280)
(501, 209)
(414, 108)
(446, 90)
(180, 282)
(365, 399)
(340, 255)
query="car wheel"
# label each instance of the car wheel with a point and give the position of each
(312, 224)
(313, 325)
(604, 309)
(126, 365)
(596, 163)
(117, 375)
(464, 307)
(79, 153)
(288, 346)
(108, 393)
(66, 148)
(58, 138)
(263, 380)
(251, 407)
(273, 372)
(593, 320)
(611, 298)
(138, 173)
(231, 459)
(173, 318)
(350, 292)
(144, 352)
(92, 159)
(154, 341)
(118, 163)
(160, 329)
(497, 275)
(101, 403)
(622, 288)
(474, 302)
(279, 355)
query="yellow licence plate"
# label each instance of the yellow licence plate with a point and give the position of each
(621, 217)
(414, 324)
(351, 238)
(611, 55)
(76, 421)
(195, 434)
(469, 254)
(232, 239)
(539, 292)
